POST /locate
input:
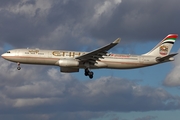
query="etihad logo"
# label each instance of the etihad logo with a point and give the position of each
(163, 50)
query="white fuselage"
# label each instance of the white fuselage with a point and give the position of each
(64, 58)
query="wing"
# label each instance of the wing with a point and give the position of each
(98, 53)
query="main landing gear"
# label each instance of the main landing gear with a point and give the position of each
(18, 66)
(89, 73)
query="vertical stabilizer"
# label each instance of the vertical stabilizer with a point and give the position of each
(164, 47)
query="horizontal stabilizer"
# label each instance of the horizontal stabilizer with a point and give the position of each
(166, 58)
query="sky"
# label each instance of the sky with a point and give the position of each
(42, 92)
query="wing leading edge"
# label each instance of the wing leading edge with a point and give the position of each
(94, 55)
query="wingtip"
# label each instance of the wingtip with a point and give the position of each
(117, 41)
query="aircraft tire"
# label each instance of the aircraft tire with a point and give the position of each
(18, 68)
(91, 75)
(86, 73)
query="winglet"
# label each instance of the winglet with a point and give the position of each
(116, 41)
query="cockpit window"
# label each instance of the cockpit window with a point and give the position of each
(8, 52)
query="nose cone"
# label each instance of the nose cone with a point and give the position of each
(2, 55)
(7, 56)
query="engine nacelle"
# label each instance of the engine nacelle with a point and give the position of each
(68, 63)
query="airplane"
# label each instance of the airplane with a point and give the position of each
(72, 61)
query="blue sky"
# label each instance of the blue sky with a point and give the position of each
(42, 92)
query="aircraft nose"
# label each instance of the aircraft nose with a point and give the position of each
(3, 55)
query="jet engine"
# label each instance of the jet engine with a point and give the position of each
(68, 63)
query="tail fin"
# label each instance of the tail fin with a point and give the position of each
(164, 47)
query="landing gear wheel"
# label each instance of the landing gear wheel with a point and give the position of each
(18, 68)
(91, 75)
(88, 73)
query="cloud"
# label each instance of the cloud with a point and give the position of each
(29, 8)
(139, 20)
(48, 24)
(44, 93)
(173, 78)
(105, 7)
(63, 94)
(147, 118)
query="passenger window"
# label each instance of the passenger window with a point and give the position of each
(8, 52)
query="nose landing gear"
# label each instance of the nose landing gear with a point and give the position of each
(18, 66)
(89, 73)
